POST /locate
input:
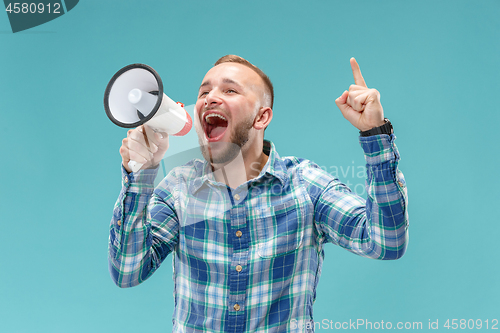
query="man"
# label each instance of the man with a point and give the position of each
(246, 227)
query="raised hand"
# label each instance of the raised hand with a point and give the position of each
(361, 105)
(134, 147)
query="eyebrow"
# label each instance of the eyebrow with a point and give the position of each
(225, 80)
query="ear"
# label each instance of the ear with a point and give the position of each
(263, 118)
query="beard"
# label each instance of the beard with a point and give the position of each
(225, 152)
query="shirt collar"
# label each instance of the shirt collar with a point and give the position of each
(274, 167)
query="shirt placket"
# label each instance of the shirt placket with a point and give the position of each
(238, 272)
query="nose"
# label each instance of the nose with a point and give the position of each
(213, 98)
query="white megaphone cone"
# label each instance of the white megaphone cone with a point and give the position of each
(134, 97)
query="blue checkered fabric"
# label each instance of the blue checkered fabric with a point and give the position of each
(249, 259)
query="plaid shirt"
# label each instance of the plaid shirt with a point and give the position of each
(249, 259)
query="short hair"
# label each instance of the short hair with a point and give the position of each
(265, 78)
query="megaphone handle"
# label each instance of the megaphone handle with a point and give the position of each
(136, 166)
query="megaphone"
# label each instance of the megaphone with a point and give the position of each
(134, 96)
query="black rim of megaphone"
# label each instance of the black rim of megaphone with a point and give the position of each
(110, 85)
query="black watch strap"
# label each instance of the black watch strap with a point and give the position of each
(384, 129)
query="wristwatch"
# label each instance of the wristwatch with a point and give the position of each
(384, 129)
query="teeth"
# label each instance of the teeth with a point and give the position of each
(214, 115)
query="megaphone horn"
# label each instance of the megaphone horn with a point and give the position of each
(134, 96)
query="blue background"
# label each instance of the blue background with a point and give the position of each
(436, 64)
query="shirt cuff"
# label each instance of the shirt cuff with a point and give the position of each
(140, 181)
(379, 148)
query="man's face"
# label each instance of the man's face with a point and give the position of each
(228, 101)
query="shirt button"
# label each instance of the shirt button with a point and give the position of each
(239, 233)
(401, 184)
(119, 222)
(236, 197)
(126, 179)
(239, 268)
(237, 307)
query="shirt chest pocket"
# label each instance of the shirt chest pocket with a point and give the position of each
(280, 229)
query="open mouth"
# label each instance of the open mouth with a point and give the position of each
(215, 125)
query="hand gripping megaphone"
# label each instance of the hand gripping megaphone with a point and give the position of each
(134, 96)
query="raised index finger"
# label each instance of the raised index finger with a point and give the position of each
(356, 72)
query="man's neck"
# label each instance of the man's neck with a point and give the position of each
(246, 166)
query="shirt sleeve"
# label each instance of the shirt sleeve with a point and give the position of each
(376, 228)
(143, 229)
